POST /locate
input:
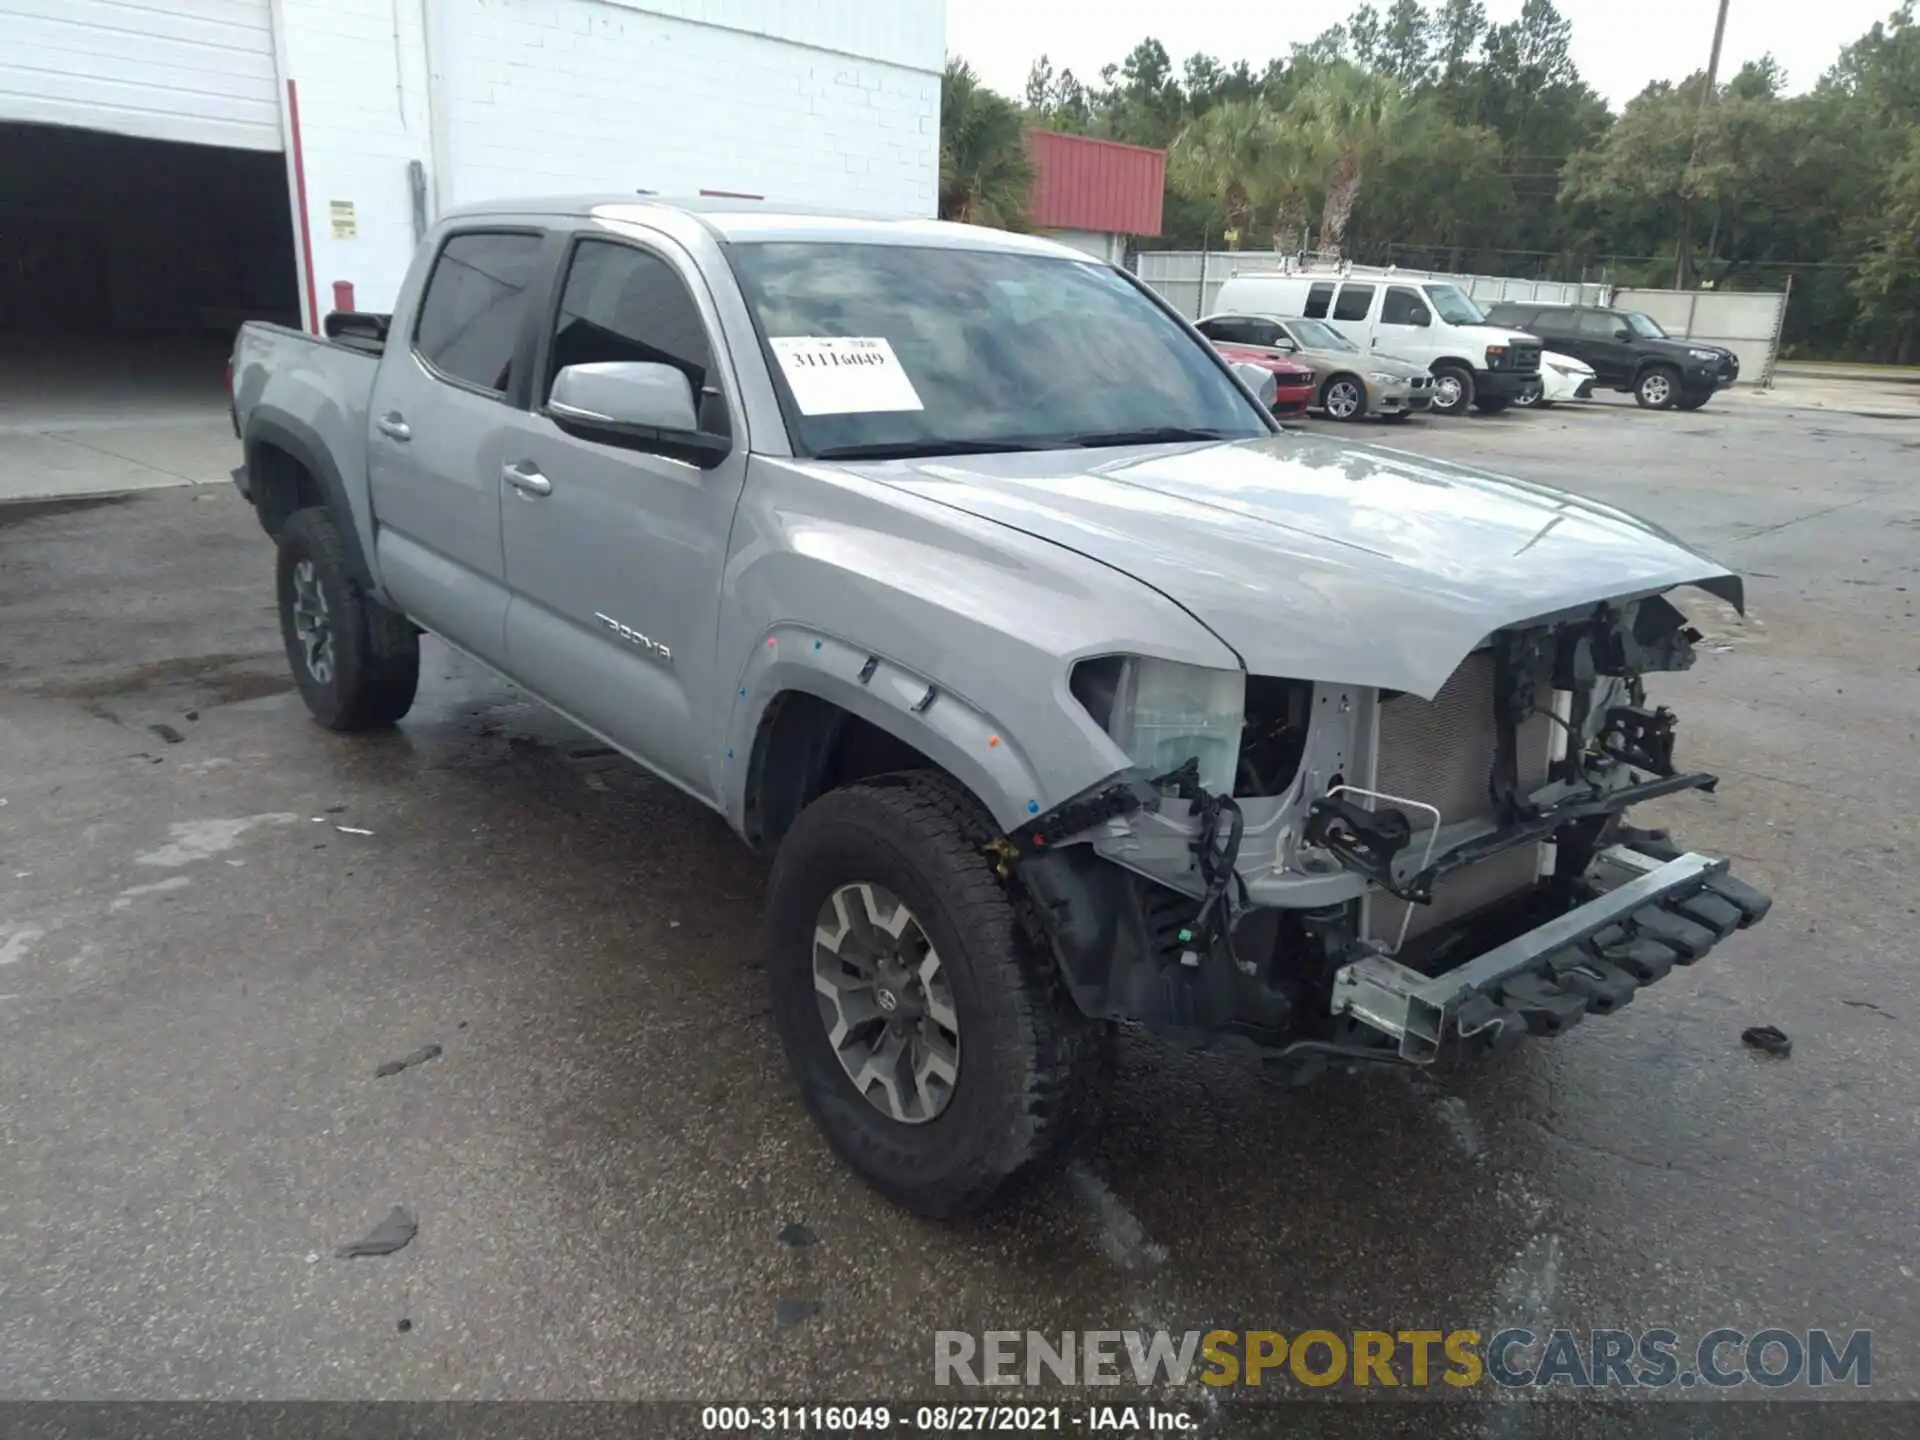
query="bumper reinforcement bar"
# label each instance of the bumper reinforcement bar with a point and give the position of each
(1653, 912)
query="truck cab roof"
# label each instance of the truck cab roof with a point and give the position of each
(736, 220)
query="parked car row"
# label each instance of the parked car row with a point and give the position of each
(1358, 348)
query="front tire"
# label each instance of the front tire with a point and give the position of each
(978, 1065)
(356, 662)
(1657, 388)
(1691, 402)
(1532, 395)
(1453, 389)
(1343, 398)
(1492, 404)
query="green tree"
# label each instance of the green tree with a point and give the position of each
(1356, 118)
(1229, 160)
(1888, 284)
(985, 175)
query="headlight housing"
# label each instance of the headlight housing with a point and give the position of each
(1703, 354)
(1381, 377)
(1496, 357)
(1163, 713)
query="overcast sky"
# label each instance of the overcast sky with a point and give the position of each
(1619, 45)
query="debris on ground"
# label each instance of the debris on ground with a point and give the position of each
(313, 1257)
(336, 809)
(1768, 1039)
(395, 1232)
(792, 1312)
(405, 1325)
(797, 1236)
(352, 830)
(166, 732)
(407, 1062)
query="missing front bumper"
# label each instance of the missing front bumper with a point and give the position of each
(1651, 914)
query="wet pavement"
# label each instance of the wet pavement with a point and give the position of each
(210, 943)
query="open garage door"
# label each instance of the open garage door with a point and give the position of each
(194, 70)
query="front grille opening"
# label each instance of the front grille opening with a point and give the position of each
(1275, 736)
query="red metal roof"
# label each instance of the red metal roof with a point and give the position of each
(1085, 184)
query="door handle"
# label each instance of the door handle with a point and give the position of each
(527, 481)
(393, 426)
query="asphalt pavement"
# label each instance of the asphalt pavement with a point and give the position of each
(217, 921)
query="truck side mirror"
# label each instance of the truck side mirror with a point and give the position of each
(638, 405)
(1621, 332)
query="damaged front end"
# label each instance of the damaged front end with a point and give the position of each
(1375, 872)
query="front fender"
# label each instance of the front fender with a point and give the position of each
(947, 728)
(953, 633)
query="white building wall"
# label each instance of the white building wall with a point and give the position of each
(360, 74)
(552, 96)
(828, 102)
(193, 70)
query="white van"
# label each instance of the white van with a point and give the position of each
(1428, 322)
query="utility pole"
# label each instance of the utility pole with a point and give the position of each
(1683, 254)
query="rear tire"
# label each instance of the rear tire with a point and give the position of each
(1532, 395)
(1453, 388)
(1657, 388)
(356, 662)
(1022, 1064)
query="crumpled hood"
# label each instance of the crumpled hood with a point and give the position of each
(1320, 559)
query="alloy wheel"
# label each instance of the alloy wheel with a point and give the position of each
(313, 622)
(1343, 400)
(886, 1003)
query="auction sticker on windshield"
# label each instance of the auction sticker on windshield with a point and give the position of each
(844, 375)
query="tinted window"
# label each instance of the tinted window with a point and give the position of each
(1318, 298)
(1228, 331)
(470, 316)
(1354, 302)
(1263, 332)
(1403, 307)
(908, 350)
(1600, 324)
(1550, 322)
(626, 304)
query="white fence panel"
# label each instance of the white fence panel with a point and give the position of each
(1745, 322)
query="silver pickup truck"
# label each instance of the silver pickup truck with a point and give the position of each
(963, 578)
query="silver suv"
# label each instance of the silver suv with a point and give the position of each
(960, 575)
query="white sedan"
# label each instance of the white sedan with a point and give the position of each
(1561, 378)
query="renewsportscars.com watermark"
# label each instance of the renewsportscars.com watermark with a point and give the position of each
(1513, 1359)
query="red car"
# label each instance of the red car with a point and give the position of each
(1292, 378)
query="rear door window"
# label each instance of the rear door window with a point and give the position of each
(1354, 302)
(476, 300)
(1227, 330)
(1319, 297)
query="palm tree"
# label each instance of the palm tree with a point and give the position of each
(985, 175)
(1355, 116)
(1221, 158)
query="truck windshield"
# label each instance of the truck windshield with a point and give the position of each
(1453, 305)
(893, 350)
(1643, 325)
(1316, 335)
